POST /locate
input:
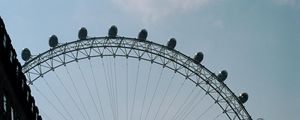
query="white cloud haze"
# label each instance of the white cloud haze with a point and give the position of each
(153, 10)
(291, 3)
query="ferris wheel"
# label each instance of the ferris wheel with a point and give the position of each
(123, 78)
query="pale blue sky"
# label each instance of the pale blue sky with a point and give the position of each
(256, 41)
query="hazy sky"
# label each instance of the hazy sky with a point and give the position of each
(256, 41)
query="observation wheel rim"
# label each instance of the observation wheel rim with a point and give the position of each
(232, 101)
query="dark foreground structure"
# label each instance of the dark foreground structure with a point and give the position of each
(16, 102)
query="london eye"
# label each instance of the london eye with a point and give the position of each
(123, 78)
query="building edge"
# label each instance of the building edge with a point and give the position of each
(16, 101)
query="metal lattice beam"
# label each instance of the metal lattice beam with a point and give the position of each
(143, 50)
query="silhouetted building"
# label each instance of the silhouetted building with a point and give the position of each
(16, 102)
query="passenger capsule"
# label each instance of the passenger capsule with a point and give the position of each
(222, 76)
(82, 34)
(198, 58)
(26, 54)
(113, 31)
(243, 97)
(171, 43)
(53, 41)
(143, 34)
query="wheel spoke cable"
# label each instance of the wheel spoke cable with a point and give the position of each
(135, 86)
(145, 94)
(185, 101)
(107, 86)
(127, 89)
(97, 90)
(194, 106)
(188, 106)
(218, 116)
(202, 114)
(69, 94)
(77, 93)
(165, 94)
(174, 98)
(116, 87)
(59, 100)
(47, 99)
(112, 88)
(89, 91)
(154, 94)
(45, 116)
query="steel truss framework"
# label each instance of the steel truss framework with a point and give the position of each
(202, 77)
